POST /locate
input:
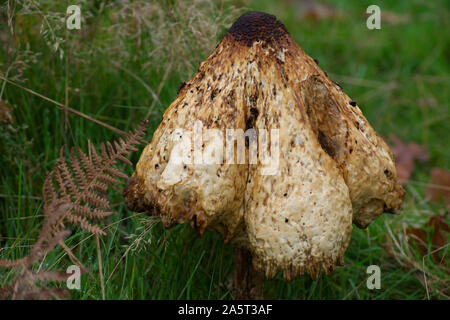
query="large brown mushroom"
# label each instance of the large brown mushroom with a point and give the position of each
(332, 168)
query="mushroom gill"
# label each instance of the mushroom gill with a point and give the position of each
(331, 169)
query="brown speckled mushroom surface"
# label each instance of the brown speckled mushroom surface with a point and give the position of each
(333, 169)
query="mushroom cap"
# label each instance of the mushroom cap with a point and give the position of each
(332, 167)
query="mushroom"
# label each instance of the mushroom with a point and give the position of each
(327, 169)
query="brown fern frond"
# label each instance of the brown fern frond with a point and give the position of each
(80, 175)
(118, 146)
(114, 172)
(95, 200)
(49, 246)
(92, 213)
(45, 243)
(97, 160)
(50, 275)
(100, 187)
(103, 151)
(39, 250)
(110, 148)
(31, 286)
(25, 285)
(90, 170)
(106, 178)
(85, 181)
(43, 293)
(63, 192)
(46, 293)
(66, 175)
(137, 137)
(6, 292)
(74, 193)
(53, 213)
(85, 225)
(48, 191)
(124, 160)
(7, 263)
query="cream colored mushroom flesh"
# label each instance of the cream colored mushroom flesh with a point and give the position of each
(327, 166)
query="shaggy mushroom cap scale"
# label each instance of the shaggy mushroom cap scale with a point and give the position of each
(331, 168)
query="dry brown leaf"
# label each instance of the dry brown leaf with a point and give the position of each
(439, 237)
(440, 227)
(313, 10)
(405, 154)
(418, 236)
(439, 187)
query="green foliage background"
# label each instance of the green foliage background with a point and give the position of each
(129, 52)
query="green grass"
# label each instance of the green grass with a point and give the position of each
(389, 72)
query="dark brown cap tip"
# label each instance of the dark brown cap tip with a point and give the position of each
(254, 25)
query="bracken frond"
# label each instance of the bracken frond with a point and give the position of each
(85, 180)
(77, 169)
(92, 213)
(74, 194)
(85, 225)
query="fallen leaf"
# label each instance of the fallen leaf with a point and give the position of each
(439, 225)
(405, 154)
(419, 237)
(439, 187)
(313, 10)
(436, 229)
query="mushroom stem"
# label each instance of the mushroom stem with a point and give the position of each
(248, 284)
